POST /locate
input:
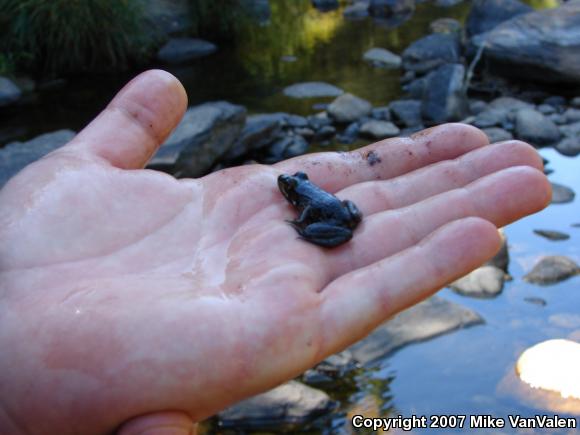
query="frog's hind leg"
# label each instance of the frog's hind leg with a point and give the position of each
(325, 235)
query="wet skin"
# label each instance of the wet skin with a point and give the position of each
(324, 219)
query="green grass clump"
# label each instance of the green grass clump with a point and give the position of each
(69, 36)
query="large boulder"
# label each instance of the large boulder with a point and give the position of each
(428, 319)
(389, 8)
(205, 134)
(443, 95)
(349, 108)
(9, 92)
(183, 50)
(283, 408)
(542, 45)
(431, 51)
(16, 155)
(312, 90)
(487, 14)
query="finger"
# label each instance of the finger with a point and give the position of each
(356, 303)
(388, 158)
(135, 123)
(161, 423)
(499, 198)
(375, 196)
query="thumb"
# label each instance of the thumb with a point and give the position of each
(160, 423)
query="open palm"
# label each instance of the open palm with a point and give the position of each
(127, 293)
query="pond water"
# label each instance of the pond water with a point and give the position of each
(466, 372)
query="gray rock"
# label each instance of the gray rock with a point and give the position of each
(484, 282)
(259, 131)
(541, 45)
(358, 10)
(325, 132)
(325, 5)
(556, 101)
(389, 8)
(535, 128)
(496, 134)
(312, 90)
(445, 25)
(288, 406)
(416, 88)
(406, 112)
(286, 147)
(552, 269)
(297, 121)
(557, 118)
(491, 118)
(571, 130)
(447, 3)
(509, 104)
(430, 52)
(332, 368)
(382, 113)
(289, 58)
(572, 115)
(305, 132)
(319, 120)
(575, 102)
(183, 50)
(204, 135)
(16, 155)
(552, 235)
(546, 109)
(168, 16)
(561, 194)
(408, 77)
(382, 57)
(443, 96)
(350, 133)
(428, 319)
(349, 108)
(569, 146)
(9, 92)
(376, 129)
(477, 106)
(485, 15)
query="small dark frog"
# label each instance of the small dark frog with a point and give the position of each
(324, 219)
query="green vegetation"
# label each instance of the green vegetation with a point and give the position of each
(66, 36)
(215, 19)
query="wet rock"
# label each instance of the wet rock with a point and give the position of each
(305, 132)
(484, 282)
(531, 126)
(325, 132)
(287, 406)
(541, 45)
(443, 96)
(561, 194)
(16, 155)
(312, 90)
(296, 121)
(382, 113)
(285, 148)
(487, 14)
(416, 88)
(477, 106)
(349, 108)
(325, 5)
(572, 115)
(552, 235)
(358, 10)
(350, 133)
(552, 269)
(496, 134)
(406, 112)
(428, 319)
(389, 8)
(332, 368)
(445, 25)
(183, 50)
(555, 100)
(509, 104)
(9, 92)
(259, 131)
(571, 130)
(536, 301)
(430, 52)
(569, 146)
(168, 16)
(205, 133)
(376, 129)
(546, 109)
(575, 102)
(383, 58)
(319, 120)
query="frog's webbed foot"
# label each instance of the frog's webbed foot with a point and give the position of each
(325, 235)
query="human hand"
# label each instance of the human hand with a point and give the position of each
(127, 296)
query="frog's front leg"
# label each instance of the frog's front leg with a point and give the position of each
(325, 235)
